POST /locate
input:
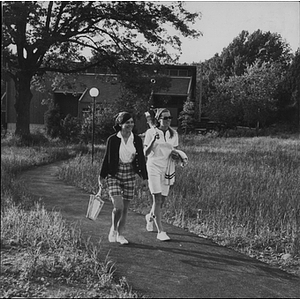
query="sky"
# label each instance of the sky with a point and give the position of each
(222, 21)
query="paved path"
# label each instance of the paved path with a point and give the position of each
(185, 267)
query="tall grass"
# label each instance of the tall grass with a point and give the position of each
(53, 248)
(81, 172)
(41, 255)
(50, 253)
(242, 192)
(16, 159)
(239, 187)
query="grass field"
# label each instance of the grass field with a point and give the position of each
(41, 256)
(240, 192)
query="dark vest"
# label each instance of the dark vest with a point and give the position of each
(111, 159)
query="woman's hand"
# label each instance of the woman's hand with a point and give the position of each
(102, 182)
(145, 184)
(148, 148)
(175, 155)
(155, 136)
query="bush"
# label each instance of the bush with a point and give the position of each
(186, 118)
(240, 132)
(33, 139)
(67, 129)
(280, 129)
(104, 122)
(70, 129)
(53, 119)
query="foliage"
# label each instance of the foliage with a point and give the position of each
(289, 103)
(50, 254)
(256, 51)
(53, 117)
(140, 80)
(186, 117)
(293, 73)
(247, 49)
(41, 37)
(103, 123)
(258, 92)
(71, 128)
(248, 99)
(220, 106)
(36, 139)
(67, 129)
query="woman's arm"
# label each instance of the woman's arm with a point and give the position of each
(139, 163)
(148, 148)
(104, 165)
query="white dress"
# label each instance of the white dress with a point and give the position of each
(158, 158)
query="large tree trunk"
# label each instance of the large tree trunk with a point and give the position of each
(22, 104)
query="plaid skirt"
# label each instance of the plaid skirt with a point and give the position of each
(123, 183)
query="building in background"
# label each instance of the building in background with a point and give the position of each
(74, 99)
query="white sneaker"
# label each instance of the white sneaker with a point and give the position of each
(149, 220)
(112, 237)
(162, 236)
(122, 240)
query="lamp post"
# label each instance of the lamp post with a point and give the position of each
(94, 93)
(153, 81)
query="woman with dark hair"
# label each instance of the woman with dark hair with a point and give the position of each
(160, 142)
(123, 159)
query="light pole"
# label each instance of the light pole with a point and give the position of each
(94, 93)
(153, 81)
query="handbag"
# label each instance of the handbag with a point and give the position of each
(95, 206)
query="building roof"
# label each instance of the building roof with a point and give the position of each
(108, 86)
(180, 86)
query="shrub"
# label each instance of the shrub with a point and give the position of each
(53, 119)
(186, 117)
(33, 139)
(104, 122)
(70, 129)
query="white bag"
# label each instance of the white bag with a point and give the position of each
(94, 207)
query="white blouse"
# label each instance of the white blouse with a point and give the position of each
(161, 148)
(127, 150)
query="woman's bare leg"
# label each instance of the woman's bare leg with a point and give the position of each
(123, 218)
(157, 203)
(117, 211)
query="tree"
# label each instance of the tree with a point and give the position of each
(222, 105)
(249, 99)
(290, 104)
(226, 74)
(245, 50)
(41, 37)
(258, 92)
(186, 117)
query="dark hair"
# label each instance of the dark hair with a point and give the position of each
(120, 119)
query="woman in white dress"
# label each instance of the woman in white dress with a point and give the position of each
(159, 143)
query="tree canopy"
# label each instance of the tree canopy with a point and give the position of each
(43, 36)
(248, 82)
